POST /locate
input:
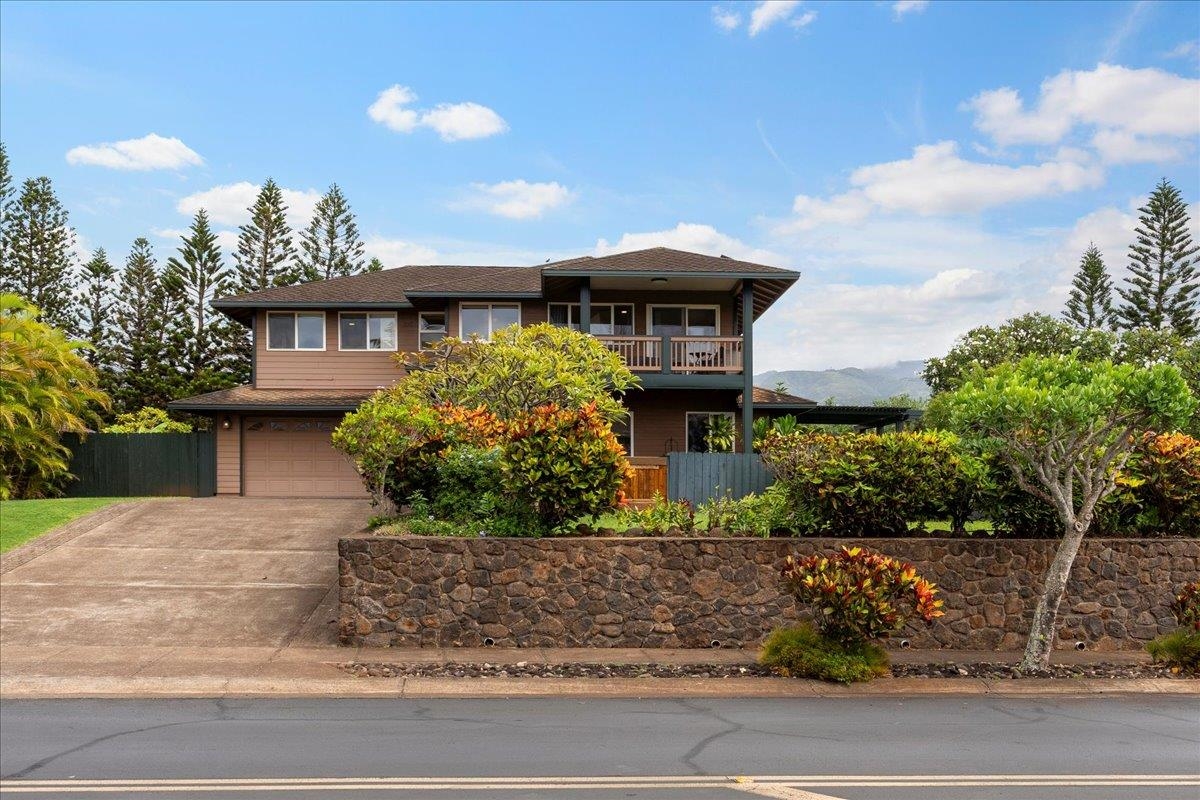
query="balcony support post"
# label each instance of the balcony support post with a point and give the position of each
(748, 366)
(664, 354)
(585, 305)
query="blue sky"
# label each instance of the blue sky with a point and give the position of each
(927, 166)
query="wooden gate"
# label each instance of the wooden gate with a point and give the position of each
(649, 478)
(142, 464)
(699, 477)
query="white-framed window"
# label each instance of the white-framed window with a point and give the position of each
(623, 430)
(431, 328)
(683, 320)
(368, 330)
(484, 319)
(295, 330)
(711, 431)
(607, 319)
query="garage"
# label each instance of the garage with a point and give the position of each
(293, 457)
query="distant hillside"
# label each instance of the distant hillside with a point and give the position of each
(850, 386)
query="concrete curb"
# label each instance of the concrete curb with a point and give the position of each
(42, 688)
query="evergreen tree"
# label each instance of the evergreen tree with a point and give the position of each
(39, 262)
(6, 195)
(330, 247)
(96, 301)
(375, 265)
(143, 378)
(264, 253)
(1163, 280)
(197, 342)
(1090, 304)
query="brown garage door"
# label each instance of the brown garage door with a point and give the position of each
(293, 457)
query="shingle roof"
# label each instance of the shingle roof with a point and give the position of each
(248, 398)
(768, 397)
(663, 259)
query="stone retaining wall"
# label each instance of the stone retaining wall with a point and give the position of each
(593, 592)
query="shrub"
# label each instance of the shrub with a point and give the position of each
(1179, 650)
(755, 514)
(1158, 491)
(871, 484)
(660, 516)
(147, 420)
(857, 595)
(468, 483)
(563, 463)
(1186, 606)
(802, 652)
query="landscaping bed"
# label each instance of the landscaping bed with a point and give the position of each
(524, 669)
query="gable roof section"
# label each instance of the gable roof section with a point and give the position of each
(665, 260)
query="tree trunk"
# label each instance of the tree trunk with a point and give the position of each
(1045, 616)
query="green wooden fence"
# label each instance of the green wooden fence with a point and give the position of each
(698, 477)
(143, 465)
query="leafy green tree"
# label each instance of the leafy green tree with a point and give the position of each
(96, 301)
(519, 370)
(48, 389)
(147, 420)
(1027, 335)
(1064, 428)
(39, 264)
(144, 377)
(1163, 281)
(264, 253)
(1090, 303)
(375, 265)
(199, 339)
(330, 247)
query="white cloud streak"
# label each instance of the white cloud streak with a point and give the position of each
(147, 153)
(517, 199)
(452, 121)
(229, 204)
(902, 8)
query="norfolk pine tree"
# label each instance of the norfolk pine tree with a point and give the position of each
(330, 247)
(96, 302)
(6, 195)
(39, 264)
(144, 377)
(264, 252)
(375, 265)
(1090, 303)
(1163, 282)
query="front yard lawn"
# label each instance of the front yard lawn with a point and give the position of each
(22, 520)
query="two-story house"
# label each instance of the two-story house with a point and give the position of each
(682, 321)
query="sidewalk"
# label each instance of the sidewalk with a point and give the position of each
(111, 672)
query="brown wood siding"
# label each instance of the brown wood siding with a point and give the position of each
(229, 455)
(659, 416)
(330, 368)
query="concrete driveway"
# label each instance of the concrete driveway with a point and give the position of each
(206, 572)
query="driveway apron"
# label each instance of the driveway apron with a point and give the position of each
(216, 571)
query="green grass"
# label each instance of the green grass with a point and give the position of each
(22, 520)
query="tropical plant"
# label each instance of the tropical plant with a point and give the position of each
(660, 516)
(858, 596)
(48, 389)
(1186, 606)
(1158, 491)
(1064, 428)
(147, 420)
(802, 652)
(1180, 649)
(391, 444)
(564, 463)
(720, 434)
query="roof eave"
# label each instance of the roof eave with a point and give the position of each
(246, 305)
(474, 295)
(786, 275)
(291, 408)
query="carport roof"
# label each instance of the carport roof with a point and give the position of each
(248, 398)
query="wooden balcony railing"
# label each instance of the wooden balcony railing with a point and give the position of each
(678, 354)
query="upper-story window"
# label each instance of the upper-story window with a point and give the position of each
(367, 331)
(484, 319)
(431, 327)
(606, 319)
(295, 330)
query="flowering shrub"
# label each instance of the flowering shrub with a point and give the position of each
(857, 595)
(1186, 607)
(1158, 491)
(564, 463)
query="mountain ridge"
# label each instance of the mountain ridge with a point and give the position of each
(851, 386)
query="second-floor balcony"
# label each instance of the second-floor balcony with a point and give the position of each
(678, 354)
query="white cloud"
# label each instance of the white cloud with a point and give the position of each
(398, 252)
(456, 121)
(452, 121)
(902, 7)
(1187, 50)
(389, 109)
(1123, 147)
(693, 237)
(517, 199)
(229, 204)
(770, 12)
(936, 180)
(149, 152)
(1147, 102)
(726, 19)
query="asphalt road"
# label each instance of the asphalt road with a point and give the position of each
(1143, 747)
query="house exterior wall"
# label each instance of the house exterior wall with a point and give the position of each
(229, 454)
(330, 368)
(642, 300)
(660, 416)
